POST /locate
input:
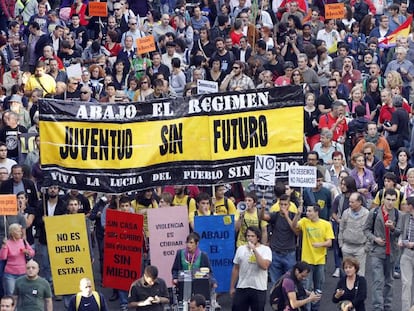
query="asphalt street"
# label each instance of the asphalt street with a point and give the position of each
(225, 301)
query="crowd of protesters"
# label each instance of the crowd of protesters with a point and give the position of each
(358, 92)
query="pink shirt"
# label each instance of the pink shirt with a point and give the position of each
(13, 251)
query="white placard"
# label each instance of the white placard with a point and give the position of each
(206, 87)
(264, 170)
(302, 176)
(74, 71)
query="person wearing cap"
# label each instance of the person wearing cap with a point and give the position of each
(167, 57)
(16, 106)
(285, 79)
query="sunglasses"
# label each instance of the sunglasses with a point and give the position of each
(236, 67)
(331, 87)
(83, 92)
(367, 153)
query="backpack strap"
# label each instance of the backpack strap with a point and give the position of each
(95, 295)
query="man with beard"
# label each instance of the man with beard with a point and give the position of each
(382, 149)
(225, 57)
(50, 205)
(181, 198)
(236, 80)
(40, 80)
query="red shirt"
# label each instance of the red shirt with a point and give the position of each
(328, 121)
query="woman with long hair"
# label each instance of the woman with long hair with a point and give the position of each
(363, 176)
(96, 79)
(367, 24)
(214, 73)
(119, 74)
(323, 66)
(373, 95)
(144, 89)
(15, 250)
(357, 100)
(402, 166)
(351, 287)
(311, 119)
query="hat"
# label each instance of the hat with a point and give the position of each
(16, 98)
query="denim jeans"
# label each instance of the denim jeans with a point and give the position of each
(382, 280)
(315, 280)
(123, 297)
(9, 280)
(281, 263)
(407, 269)
(2, 265)
(44, 263)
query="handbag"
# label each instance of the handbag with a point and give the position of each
(26, 255)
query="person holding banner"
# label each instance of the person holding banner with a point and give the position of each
(15, 250)
(251, 263)
(149, 292)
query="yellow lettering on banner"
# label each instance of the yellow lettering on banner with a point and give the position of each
(84, 145)
(69, 252)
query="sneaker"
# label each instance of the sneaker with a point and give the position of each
(396, 275)
(124, 308)
(215, 305)
(337, 273)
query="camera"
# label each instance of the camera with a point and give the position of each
(241, 206)
(387, 123)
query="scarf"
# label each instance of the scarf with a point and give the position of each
(370, 139)
(191, 258)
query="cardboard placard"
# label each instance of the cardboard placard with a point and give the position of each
(264, 170)
(123, 249)
(98, 9)
(8, 204)
(145, 44)
(168, 230)
(302, 176)
(334, 10)
(69, 252)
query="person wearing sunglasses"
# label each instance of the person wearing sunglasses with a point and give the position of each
(86, 95)
(236, 80)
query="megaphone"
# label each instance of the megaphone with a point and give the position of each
(241, 206)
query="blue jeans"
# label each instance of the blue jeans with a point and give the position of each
(44, 263)
(281, 263)
(335, 244)
(9, 280)
(315, 280)
(123, 297)
(2, 265)
(382, 280)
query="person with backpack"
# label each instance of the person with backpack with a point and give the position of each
(87, 299)
(382, 230)
(222, 204)
(288, 294)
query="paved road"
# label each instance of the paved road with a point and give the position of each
(326, 304)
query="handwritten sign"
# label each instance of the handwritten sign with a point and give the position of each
(69, 252)
(264, 170)
(123, 249)
(334, 10)
(217, 240)
(145, 44)
(302, 176)
(168, 230)
(8, 204)
(98, 9)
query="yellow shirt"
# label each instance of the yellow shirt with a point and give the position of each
(313, 232)
(141, 209)
(220, 208)
(379, 201)
(193, 214)
(183, 202)
(47, 81)
(276, 207)
(249, 219)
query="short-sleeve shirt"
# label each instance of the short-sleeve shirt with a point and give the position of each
(313, 232)
(32, 293)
